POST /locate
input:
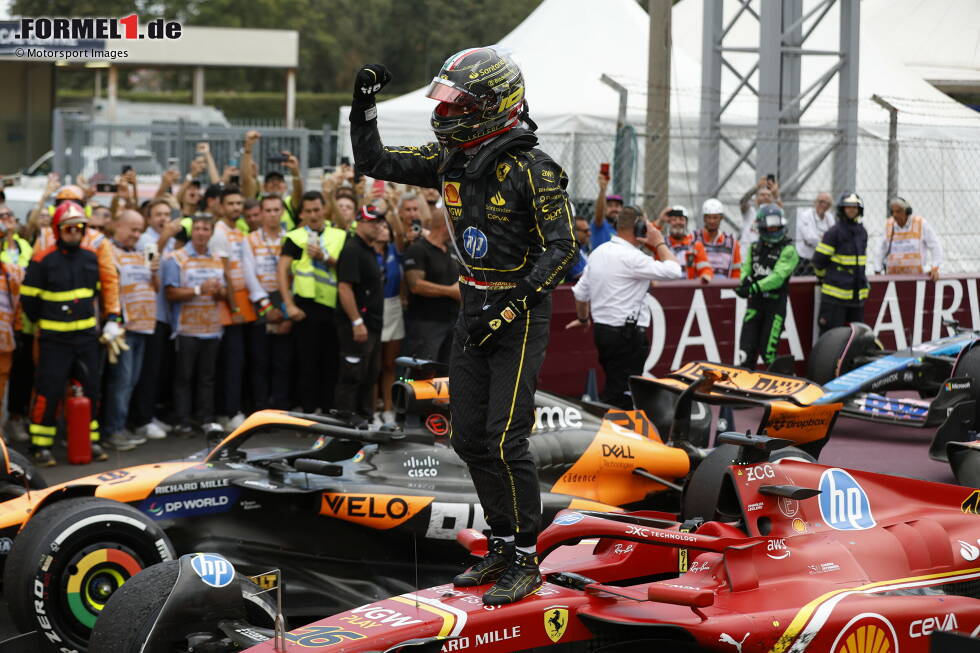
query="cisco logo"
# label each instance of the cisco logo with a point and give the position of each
(844, 504)
(422, 467)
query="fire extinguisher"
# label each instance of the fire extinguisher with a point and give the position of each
(78, 415)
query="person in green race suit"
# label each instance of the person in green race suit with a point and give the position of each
(766, 270)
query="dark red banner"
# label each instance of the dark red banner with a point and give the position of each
(696, 321)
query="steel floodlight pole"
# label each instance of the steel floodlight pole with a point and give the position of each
(845, 157)
(656, 165)
(892, 144)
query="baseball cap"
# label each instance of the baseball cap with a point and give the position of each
(615, 198)
(368, 214)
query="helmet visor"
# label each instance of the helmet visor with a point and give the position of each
(444, 90)
(770, 222)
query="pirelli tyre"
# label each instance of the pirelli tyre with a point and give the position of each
(705, 493)
(69, 559)
(128, 619)
(825, 361)
(21, 476)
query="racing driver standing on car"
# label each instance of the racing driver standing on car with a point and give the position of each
(511, 225)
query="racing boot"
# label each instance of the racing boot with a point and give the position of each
(521, 579)
(491, 568)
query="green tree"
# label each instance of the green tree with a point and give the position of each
(336, 36)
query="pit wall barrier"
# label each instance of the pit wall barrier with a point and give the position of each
(696, 321)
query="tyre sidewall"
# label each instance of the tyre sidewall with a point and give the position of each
(37, 568)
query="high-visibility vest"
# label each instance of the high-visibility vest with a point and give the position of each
(905, 255)
(199, 316)
(691, 255)
(136, 294)
(315, 279)
(266, 254)
(721, 253)
(11, 275)
(238, 293)
(20, 254)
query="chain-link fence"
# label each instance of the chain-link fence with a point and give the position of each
(98, 150)
(938, 150)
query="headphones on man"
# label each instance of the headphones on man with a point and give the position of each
(902, 203)
(639, 222)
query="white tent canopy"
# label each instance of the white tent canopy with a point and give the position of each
(565, 46)
(938, 41)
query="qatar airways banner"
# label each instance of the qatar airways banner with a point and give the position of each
(696, 321)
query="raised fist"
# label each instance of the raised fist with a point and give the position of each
(370, 79)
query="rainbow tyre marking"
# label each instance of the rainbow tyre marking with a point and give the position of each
(94, 575)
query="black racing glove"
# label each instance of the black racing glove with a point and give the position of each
(495, 319)
(749, 286)
(370, 79)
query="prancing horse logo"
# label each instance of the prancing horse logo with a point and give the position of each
(555, 621)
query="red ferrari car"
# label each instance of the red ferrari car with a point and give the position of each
(790, 557)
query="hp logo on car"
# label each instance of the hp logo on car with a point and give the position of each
(844, 504)
(213, 569)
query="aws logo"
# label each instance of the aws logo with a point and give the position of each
(380, 511)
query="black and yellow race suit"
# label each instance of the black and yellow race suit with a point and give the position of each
(512, 222)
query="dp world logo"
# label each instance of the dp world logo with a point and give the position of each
(844, 504)
(213, 569)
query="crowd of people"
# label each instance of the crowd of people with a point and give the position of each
(216, 297)
(228, 293)
(611, 281)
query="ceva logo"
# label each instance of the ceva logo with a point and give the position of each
(844, 504)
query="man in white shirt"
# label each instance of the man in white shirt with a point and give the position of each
(811, 224)
(907, 239)
(766, 192)
(612, 288)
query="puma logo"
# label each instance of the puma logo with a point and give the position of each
(728, 639)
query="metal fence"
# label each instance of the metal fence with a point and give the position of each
(937, 148)
(82, 146)
(937, 151)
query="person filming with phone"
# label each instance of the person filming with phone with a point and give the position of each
(611, 294)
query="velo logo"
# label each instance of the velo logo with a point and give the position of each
(213, 569)
(844, 504)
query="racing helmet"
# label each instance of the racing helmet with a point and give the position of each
(771, 223)
(712, 206)
(488, 84)
(68, 213)
(849, 199)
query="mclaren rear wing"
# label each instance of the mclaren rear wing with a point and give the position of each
(786, 401)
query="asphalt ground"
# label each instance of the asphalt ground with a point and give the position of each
(854, 444)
